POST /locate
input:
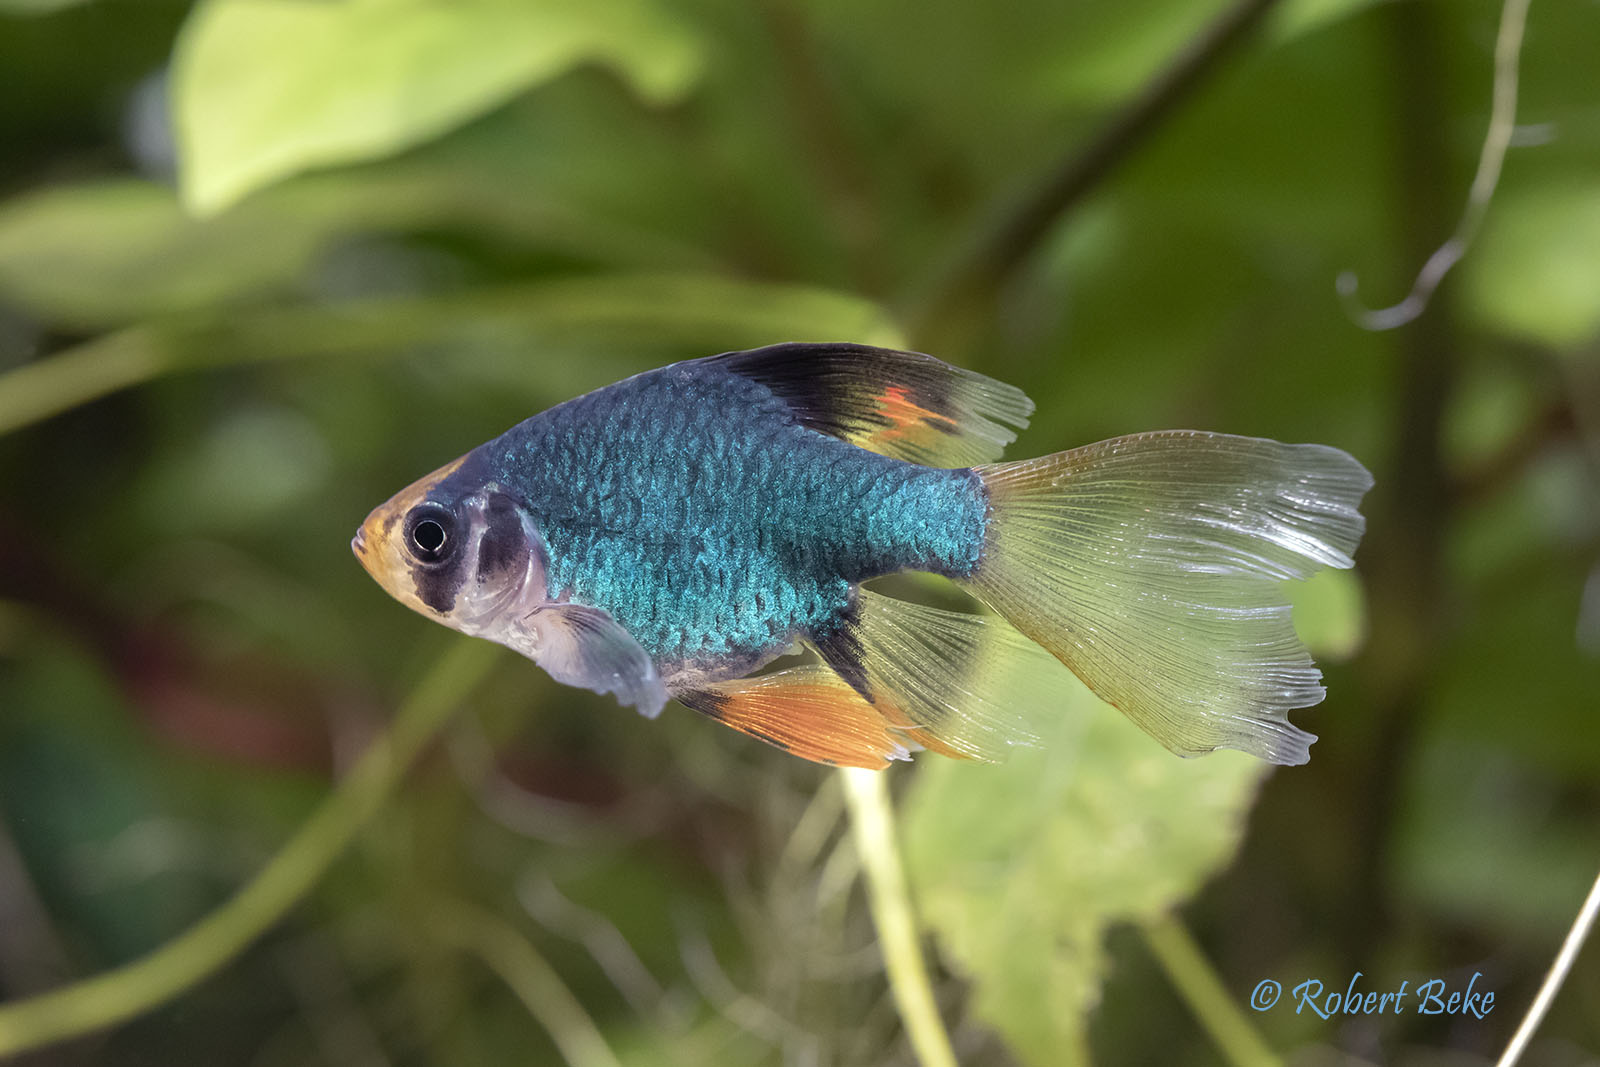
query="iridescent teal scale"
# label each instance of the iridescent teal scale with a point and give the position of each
(691, 505)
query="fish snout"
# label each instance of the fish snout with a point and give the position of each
(374, 548)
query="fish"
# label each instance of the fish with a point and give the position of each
(682, 533)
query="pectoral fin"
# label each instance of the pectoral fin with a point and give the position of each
(587, 648)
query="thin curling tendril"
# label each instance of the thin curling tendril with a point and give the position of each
(1502, 127)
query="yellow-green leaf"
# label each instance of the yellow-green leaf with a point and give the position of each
(1020, 868)
(266, 88)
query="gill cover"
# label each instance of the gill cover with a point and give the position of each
(463, 552)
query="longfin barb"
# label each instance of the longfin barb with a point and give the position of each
(1151, 566)
(900, 404)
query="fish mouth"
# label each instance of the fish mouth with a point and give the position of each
(368, 546)
(372, 549)
(378, 545)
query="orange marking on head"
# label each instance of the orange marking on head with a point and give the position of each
(378, 543)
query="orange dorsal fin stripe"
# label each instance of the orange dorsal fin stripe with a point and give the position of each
(905, 425)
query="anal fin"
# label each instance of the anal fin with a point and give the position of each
(807, 711)
(959, 684)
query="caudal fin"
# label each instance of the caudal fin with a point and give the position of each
(1151, 566)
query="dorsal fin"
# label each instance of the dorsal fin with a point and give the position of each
(900, 404)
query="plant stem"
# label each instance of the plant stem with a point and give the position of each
(1197, 982)
(1502, 124)
(872, 819)
(1552, 980)
(510, 955)
(124, 992)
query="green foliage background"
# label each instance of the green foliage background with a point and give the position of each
(262, 262)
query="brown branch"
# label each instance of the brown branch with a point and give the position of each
(829, 149)
(1553, 425)
(1403, 557)
(1001, 248)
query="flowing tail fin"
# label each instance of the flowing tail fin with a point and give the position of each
(1150, 565)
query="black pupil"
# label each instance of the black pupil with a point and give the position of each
(429, 535)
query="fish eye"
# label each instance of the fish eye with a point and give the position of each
(429, 533)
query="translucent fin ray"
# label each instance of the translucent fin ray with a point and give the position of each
(807, 711)
(900, 404)
(586, 647)
(959, 684)
(1150, 565)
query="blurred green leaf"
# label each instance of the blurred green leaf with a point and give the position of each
(1329, 613)
(1031, 60)
(266, 88)
(1445, 831)
(104, 253)
(1534, 272)
(1298, 17)
(250, 464)
(65, 727)
(833, 158)
(107, 252)
(1020, 868)
(654, 312)
(36, 7)
(1487, 413)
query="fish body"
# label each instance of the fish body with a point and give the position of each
(712, 526)
(672, 533)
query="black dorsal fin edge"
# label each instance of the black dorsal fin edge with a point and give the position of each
(903, 404)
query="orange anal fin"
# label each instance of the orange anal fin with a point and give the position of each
(958, 684)
(806, 711)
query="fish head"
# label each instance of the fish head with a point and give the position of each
(456, 549)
